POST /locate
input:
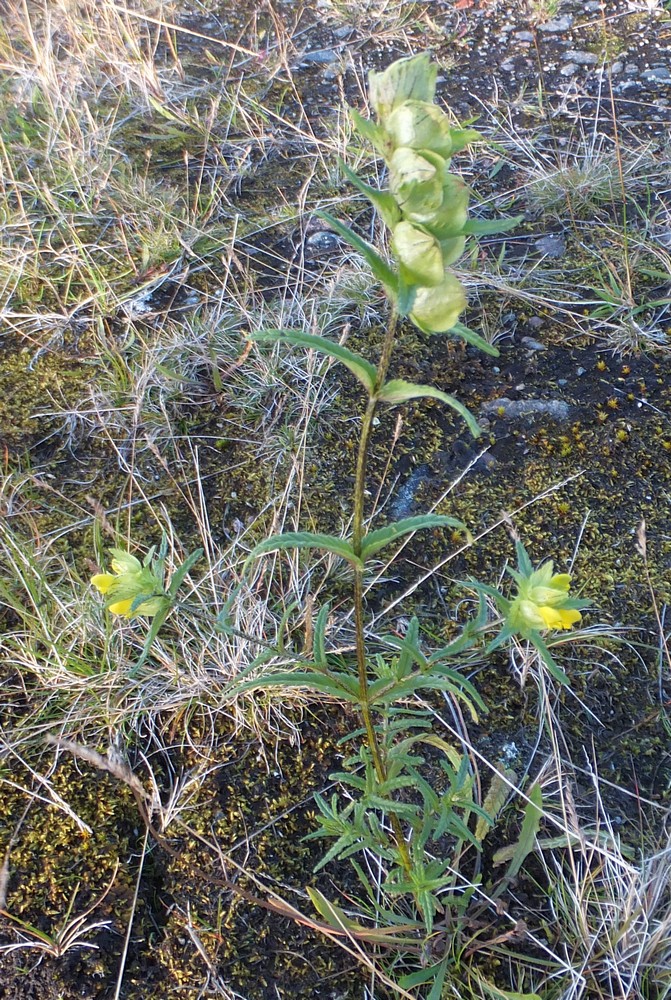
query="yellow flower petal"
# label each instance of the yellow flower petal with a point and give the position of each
(103, 581)
(121, 607)
(558, 617)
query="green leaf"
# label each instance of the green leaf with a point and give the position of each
(363, 369)
(383, 201)
(548, 660)
(375, 135)
(156, 625)
(475, 339)
(382, 271)
(526, 843)
(304, 540)
(399, 391)
(376, 540)
(345, 688)
(319, 643)
(488, 227)
(178, 576)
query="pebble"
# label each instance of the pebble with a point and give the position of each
(524, 36)
(557, 24)
(552, 245)
(593, 7)
(527, 409)
(580, 57)
(508, 66)
(319, 56)
(631, 69)
(532, 345)
(658, 74)
(321, 244)
(569, 69)
(616, 68)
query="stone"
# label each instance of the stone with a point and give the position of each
(570, 69)
(532, 345)
(557, 24)
(526, 410)
(553, 245)
(524, 36)
(508, 66)
(580, 57)
(658, 74)
(631, 69)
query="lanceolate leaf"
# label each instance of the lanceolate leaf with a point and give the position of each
(399, 391)
(305, 540)
(179, 574)
(383, 201)
(369, 130)
(379, 267)
(346, 688)
(363, 369)
(474, 338)
(518, 852)
(488, 227)
(376, 540)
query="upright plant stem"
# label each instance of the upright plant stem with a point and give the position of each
(357, 535)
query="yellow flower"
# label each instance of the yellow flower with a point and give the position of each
(129, 581)
(542, 601)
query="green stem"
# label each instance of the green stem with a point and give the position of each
(357, 536)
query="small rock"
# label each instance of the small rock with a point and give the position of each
(658, 74)
(524, 36)
(616, 68)
(344, 31)
(321, 244)
(580, 371)
(570, 69)
(527, 409)
(557, 24)
(553, 245)
(580, 57)
(631, 69)
(532, 345)
(535, 322)
(508, 66)
(593, 7)
(319, 56)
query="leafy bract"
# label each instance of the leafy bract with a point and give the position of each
(411, 79)
(383, 201)
(418, 254)
(437, 309)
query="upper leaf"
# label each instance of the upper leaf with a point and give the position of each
(383, 201)
(399, 391)
(363, 369)
(305, 540)
(382, 271)
(376, 540)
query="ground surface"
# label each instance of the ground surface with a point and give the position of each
(577, 448)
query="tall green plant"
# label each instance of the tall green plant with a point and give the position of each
(391, 809)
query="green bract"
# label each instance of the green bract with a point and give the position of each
(420, 125)
(436, 310)
(405, 80)
(419, 255)
(416, 181)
